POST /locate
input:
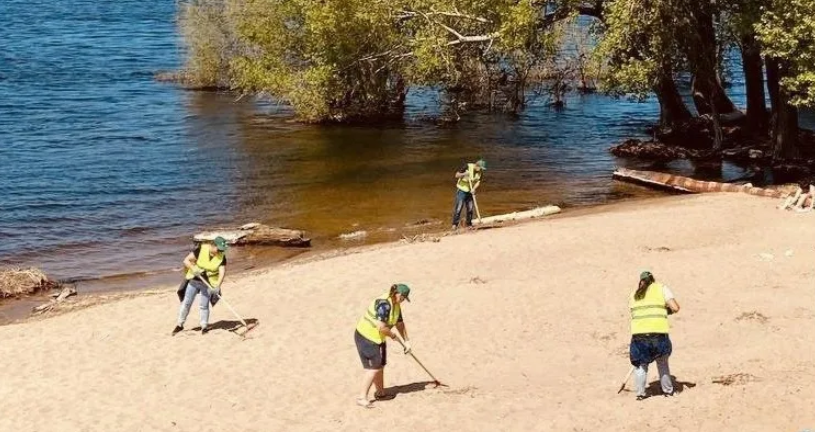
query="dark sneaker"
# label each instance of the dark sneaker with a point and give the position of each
(384, 396)
(177, 329)
(639, 398)
(205, 330)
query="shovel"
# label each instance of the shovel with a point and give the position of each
(228, 306)
(435, 381)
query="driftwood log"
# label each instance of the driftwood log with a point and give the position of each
(689, 185)
(57, 299)
(529, 214)
(258, 234)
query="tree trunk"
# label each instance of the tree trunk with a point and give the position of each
(672, 109)
(703, 57)
(706, 87)
(784, 115)
(717, 128)
(754, 82)
(785, 136)
(773, 82)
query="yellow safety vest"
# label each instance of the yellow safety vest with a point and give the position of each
(473, 177)
(367, 324)
(210, 264)
(649, 315)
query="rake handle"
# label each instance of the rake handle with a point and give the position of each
(228, 306)
(436, 381)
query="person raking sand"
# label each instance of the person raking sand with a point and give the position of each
(468, 179)
(207, 262)
(384, 313)
(650, 304)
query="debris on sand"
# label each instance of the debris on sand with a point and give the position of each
(18, 282)
(735, 379)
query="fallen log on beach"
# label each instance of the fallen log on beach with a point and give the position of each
(528, 214)
(688, 185)
(258, 234)
(57, 298)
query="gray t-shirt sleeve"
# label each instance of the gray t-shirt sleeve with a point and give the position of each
(667, 293)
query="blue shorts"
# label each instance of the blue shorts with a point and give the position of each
(645, 348)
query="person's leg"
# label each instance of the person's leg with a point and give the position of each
(470, 207)
(189, 297)
(367, 381)
(204, 312)
(379, 382)
(371, 363)
(640, 380)
(665, 375)
(457, 208)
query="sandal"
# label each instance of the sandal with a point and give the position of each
(365, 403)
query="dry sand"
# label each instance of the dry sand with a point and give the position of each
(527, 324)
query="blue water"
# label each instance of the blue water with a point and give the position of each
(107, 172)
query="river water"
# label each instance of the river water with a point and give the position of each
(106, 173)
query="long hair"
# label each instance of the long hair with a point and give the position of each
(643, 287)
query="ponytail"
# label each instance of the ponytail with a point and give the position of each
(643, 287)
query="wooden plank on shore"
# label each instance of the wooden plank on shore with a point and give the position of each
(528, 214)
(689, 185)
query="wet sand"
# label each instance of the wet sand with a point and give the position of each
(526, 324)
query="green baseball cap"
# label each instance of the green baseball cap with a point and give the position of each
(645, 275)
(220, 243)
(482, 163)
(404, 290)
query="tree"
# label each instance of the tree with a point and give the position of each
(642, 53)
(742, 16)
(787, 34)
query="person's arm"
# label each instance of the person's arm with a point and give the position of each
(383, 311)
(463, 172)
(673, 306)
(221, 276)
(400, 326)
(670, 300)
(189, 261)
(384, 330)
(476, 185)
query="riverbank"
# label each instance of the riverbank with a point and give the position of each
(526, 324)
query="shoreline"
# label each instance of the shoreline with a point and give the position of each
(15, 311)
(527, 325)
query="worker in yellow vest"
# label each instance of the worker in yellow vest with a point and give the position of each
(468, 179)
(384, 313)
(650, 304)
(207, 261)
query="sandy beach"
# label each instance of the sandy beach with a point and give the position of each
(528, 325)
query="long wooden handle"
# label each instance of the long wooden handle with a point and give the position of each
(622, 386)
(228, 306)
(417, 361)
(475, 203)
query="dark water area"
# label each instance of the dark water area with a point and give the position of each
(106, 173)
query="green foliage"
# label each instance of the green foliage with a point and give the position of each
(787, 32)
(341, 60)
(209, 41)
(637, 43)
